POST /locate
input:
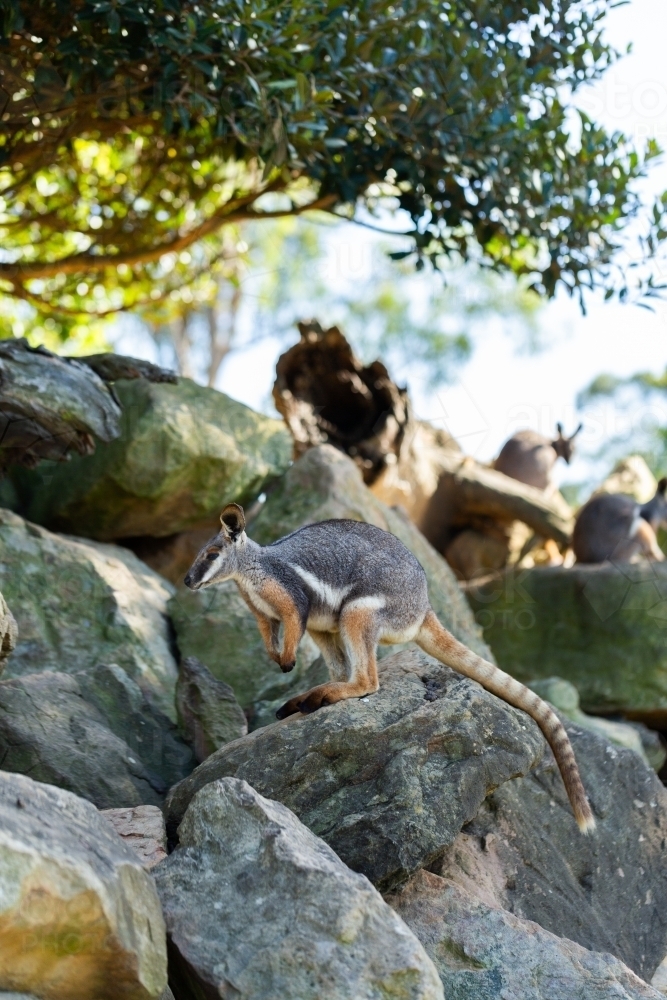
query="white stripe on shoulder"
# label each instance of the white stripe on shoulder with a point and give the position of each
(370, 603)
(636, 525)
(331, 596)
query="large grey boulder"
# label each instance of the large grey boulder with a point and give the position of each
(208, 712)
(257, 908)
(607, 892)
(482, 952)
(78, 603)
(79, 917)
(183, 452)
(387, 780)
(601, 627)
(54, 727)
(216, 626)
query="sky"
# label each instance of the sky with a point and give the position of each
(502, 388)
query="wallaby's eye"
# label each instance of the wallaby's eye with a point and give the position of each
(211, 556)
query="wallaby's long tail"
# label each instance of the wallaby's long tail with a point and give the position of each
(438, 642)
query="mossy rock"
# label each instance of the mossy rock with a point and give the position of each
(79, 603)
(603, 628)
(183, 452)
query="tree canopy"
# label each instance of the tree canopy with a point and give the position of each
(133, 130)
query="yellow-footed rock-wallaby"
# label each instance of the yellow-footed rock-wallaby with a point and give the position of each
(611, 526)
(530, 457)
(352, 586)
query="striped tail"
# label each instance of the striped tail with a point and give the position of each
(435, 640)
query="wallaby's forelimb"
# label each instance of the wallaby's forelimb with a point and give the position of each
(435, 640)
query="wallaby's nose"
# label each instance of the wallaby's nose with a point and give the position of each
(187, 580)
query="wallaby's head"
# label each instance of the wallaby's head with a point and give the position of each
(564, 446)
(218, 559)
(655, 511)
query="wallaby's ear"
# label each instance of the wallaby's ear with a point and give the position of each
(662, 486)
(579, 428)
(233, 519)
(559, 428)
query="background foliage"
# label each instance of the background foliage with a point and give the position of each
(133, 130)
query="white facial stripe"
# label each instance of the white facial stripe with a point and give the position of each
(332, 597)
(212, 570)
(636, 525)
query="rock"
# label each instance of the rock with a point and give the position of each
(79, 603)
(634, 736)
(258, 908)
(9, 632)
(483, 952)
(173, 556)
(606, 892)
(50, 406)
(633, 477)
(184, 451)
(600, 627)
(80, 917)
(472, 554)
(388, 780)
(143, 830)
(215, 624)
(659, 980)
(208, 712)
(52, 729)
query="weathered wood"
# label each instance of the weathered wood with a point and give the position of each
(111, 367)
(50, 406)
(326, 395)
(467, 491)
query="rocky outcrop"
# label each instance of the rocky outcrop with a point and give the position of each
(208, 713)
(79, 603)
(143, 830)
(633, 477)
(9, 632)
(184, 451)
(482, 951)
(50, 407)
(79, 917)
(606, 892)
(387, 780)
(54, 727)
(258, 907)
(600, 627)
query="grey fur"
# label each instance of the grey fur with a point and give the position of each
(606, 527)
(349, 556)
(530, 457)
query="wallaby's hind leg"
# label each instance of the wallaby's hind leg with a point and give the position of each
(331, 649)
(359, 632)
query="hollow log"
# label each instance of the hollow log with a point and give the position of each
(326, 395)
(468, 492)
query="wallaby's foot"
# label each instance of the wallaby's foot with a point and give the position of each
(324, 694)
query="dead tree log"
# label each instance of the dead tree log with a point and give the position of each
(468, 492)
(325, 394)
